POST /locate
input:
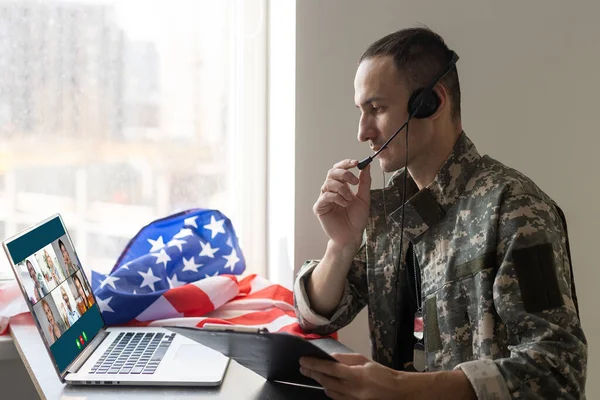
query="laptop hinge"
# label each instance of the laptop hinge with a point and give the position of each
(87, 352)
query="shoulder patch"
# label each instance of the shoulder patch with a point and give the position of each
(536, 272)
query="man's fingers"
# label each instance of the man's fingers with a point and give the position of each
(332, 394)
(342, 175)
(328, 382)
(346, 164)
(331, 368)
(364, 185)
(326, 199)
(350, 359)
(338, 187)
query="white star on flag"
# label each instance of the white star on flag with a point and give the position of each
(162, 257)
(190, 265)
(178, 243)
(174, 282)
(215, 226)
(110, 280)
(207, 250)
(232, 259)
(229, 242)
(149, 279)
(190, 221)
(210, 276)
(156, 244)
(103, 304)
(184, 232)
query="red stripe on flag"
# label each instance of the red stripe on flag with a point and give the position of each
(212, 321)
(274, 292)
(258, 317)
(245, 285)
(189, 300)
(232, 277)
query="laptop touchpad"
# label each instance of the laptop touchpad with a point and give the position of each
(201, 362)
(191, 353)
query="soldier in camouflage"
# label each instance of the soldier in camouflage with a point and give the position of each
(487, 248)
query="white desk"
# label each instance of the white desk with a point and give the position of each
(239, 383)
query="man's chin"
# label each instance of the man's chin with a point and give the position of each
(389, 167)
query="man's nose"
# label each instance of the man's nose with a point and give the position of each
(367, 129)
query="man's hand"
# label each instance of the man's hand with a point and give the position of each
(354, 377)
(357, 378)
(342, 213)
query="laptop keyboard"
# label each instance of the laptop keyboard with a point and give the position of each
(134, 353)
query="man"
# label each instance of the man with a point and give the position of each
(497, 295)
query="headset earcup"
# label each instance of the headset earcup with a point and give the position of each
(430, 101)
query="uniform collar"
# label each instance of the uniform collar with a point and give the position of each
(426, 207)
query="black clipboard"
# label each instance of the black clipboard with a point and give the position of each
(273, 355)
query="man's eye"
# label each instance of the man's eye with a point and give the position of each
(377, 109)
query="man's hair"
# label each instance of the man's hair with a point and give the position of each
(419, 55)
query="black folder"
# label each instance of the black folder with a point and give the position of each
(273, 355)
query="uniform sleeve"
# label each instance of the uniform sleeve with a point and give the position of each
(353, 300)
(534, 297)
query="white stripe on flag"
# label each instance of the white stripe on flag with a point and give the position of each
(186, 321)
(280, 322)
(219, 289)
(256, 305)
(258, 283)
(275, 325)
(161, 308)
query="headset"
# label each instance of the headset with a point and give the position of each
(423, 103)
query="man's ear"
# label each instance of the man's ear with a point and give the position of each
(444, 100)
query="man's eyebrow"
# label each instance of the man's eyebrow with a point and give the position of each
(371, 100)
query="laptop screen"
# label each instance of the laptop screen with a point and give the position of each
(50, 275)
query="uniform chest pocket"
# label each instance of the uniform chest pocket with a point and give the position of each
(433, 339)
(450, 319)
(457, 313)
(448, 315)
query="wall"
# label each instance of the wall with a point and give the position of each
(529, 85)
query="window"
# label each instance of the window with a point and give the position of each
(115, 113)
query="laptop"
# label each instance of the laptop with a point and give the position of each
(83, 349)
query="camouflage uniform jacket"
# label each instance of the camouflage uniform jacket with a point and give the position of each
(498, 293)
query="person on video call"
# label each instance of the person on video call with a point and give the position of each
(85, 303)
(55, 273)
(72, 314)
(63, 315)
(71, 266)
(53, 326)
(484, 257)
(39, 288)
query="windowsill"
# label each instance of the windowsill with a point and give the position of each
(8, 351)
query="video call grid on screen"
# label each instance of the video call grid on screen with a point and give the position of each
(56, 287)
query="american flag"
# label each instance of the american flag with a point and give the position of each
(184, 270)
